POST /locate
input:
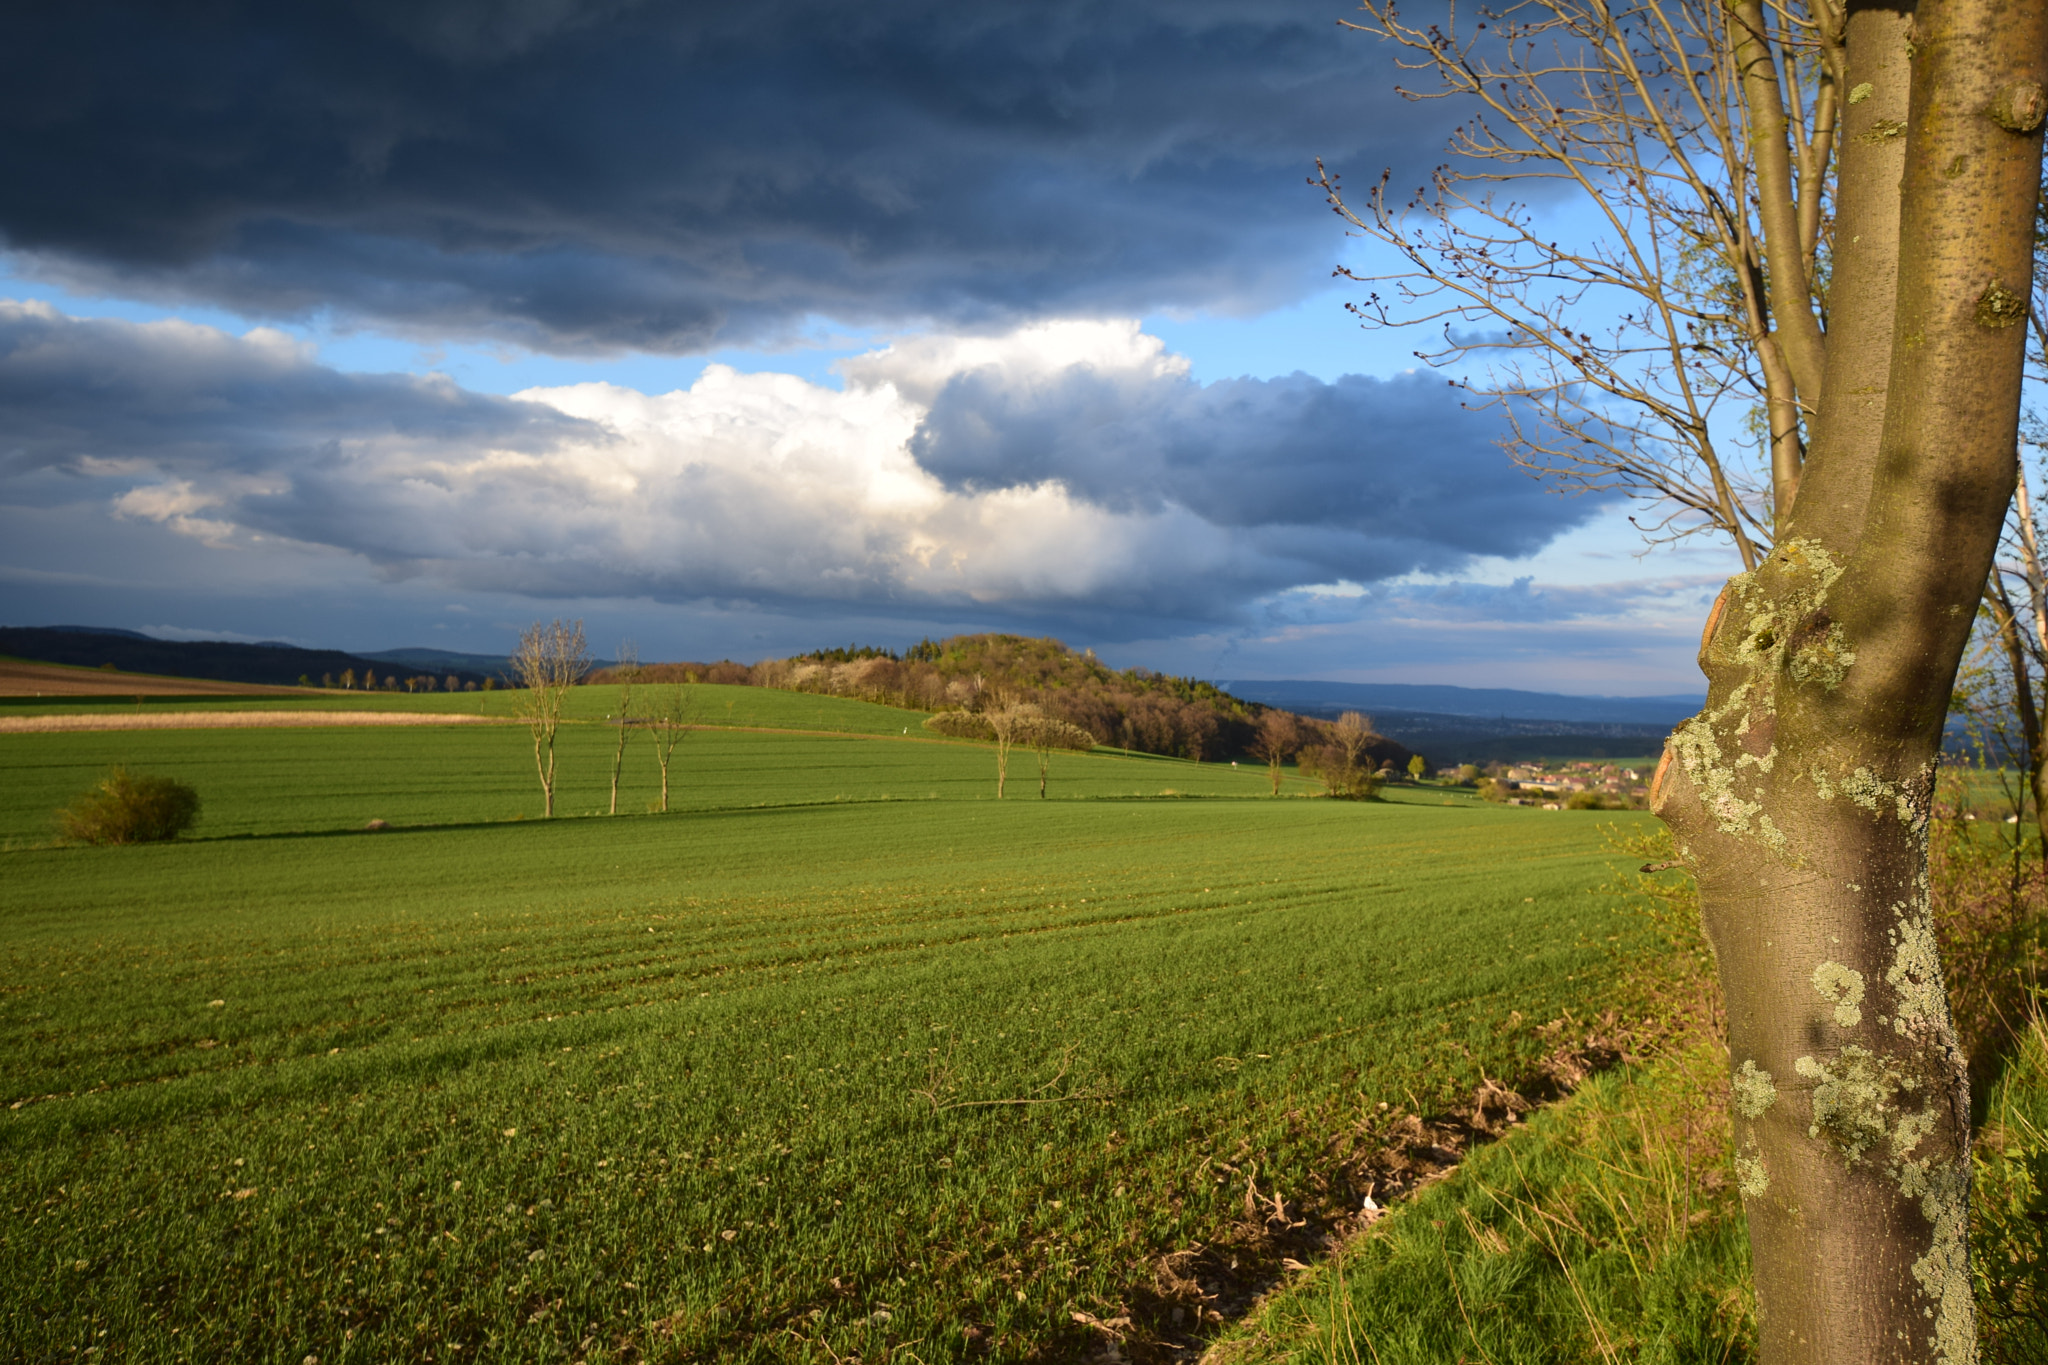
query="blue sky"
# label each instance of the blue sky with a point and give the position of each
(366, 329)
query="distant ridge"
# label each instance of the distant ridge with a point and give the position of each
(101, 630)
(443, 658)
(1494, 703)
(275, 665)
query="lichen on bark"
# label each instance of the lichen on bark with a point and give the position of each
(1841, 987)
(1754, 1091)
(1852, 1097)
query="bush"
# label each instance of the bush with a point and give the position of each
(127, 809)
(1595, 801)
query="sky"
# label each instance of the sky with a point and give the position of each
(741, 331)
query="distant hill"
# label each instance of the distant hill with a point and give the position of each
(1314, 698)
(498, 664)
(1484, 725)
(273, 665)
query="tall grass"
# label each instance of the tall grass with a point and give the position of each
(2009, 1208)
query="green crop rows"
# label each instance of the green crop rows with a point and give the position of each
(720, 1084)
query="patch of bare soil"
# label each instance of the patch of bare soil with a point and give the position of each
(232, 720)
(22, 679)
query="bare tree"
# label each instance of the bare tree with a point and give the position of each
(1353, 732)
(1007, 724)
(1278, 737)
(627, 671)
(549, 660)
(1046, 734)
(1704, 135)
(672, 712)
(1821, 211)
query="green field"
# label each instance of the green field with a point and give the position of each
(713, 705)
(735, 1083)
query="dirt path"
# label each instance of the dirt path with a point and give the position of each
(233, 720)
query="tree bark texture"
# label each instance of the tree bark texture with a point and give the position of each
(1800, 796)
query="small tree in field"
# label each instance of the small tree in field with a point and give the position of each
(1353, 732)
(628, 672)
(1278, 737)
(1416, 767)
(672, 711)
(1007, 726)
(1045, 734)
(549, 660)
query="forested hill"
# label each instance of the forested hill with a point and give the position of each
(1132, 708)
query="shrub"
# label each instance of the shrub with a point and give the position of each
(960, 725)
(1595, 801)
(127, 809)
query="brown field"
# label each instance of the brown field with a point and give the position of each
(234, 720)
(19, 678)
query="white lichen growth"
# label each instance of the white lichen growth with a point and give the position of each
(1841, 987)
(1754, 1091)
(1781, 625)
(1751, 1177)
(1944, 1272)
(1851, 1099)
(1915, 973)
(1824, 657)
(1867, 789)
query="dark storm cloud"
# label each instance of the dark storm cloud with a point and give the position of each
(190, 399)
(1373, 477)
(576, 176)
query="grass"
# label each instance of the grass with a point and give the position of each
(731, 1084)
(2009, 1208)
(1592, 1234)
(716, 705)
(1606, 1229)
(276, 781)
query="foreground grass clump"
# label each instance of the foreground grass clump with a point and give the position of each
(1605, 1229)
(2009, 1208)
(734, 1083)
(126, 808)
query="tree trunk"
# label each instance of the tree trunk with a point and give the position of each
(1799, 797)
(618, 761)
(544, 764)
(547, 779)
